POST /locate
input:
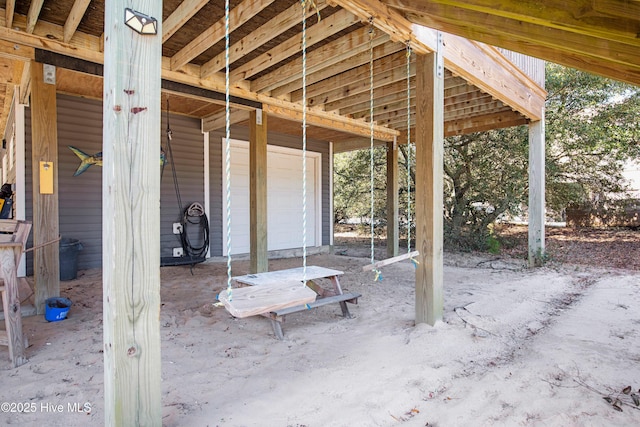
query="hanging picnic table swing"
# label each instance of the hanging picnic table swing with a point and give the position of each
(271, 296)
(375, 265)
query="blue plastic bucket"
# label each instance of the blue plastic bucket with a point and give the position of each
(56, 308)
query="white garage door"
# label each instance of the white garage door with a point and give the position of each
(284, 199)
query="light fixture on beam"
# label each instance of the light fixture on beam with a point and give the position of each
(140, 23)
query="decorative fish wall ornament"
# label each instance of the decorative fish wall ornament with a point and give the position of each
(87, 160)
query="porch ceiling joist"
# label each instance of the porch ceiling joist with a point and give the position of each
(465, 58)
(265, 62)
(238, 16)
(326, 27)
(180, 16)
(73, 20)
(598, 36)
(282, 108)
(276, 26)
(336, 53)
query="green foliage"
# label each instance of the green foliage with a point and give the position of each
(591, 131)
(352, 185)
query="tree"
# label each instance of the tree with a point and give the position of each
(592, 129)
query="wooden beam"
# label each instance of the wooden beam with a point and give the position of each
(318, 32)
(73, 20)
(381, 104)
(190, 78)
(585, 17)
(44, 142)
(353, 61)
(219, 120)
(356, 80)
(536, 193)
(390, 22)
(25, 83)
(33, 14)
(624, 9)
(590, 53)
(84, 46)
(180, 16)
(9, 9)
(504, 82)
(456, 112)
(339, 91)
(392, 200)
(259, 262)
(355, 100)
(238, 16)
(330, 121)
(351, 144)
(484, 123)
(325, 57)
(131, 219)
(263, 34)
(429, 186)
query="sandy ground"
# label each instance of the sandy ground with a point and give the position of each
(517, 347)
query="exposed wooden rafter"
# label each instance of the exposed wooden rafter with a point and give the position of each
(181, 16)
(238, 16)
(266, 67)
(599, 36)
(74, 18)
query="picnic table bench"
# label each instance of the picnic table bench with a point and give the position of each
(290, 278)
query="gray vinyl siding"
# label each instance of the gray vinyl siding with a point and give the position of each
(188, 151)
(80, 198)
(216, 157)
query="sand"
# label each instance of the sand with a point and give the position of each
(516, 347)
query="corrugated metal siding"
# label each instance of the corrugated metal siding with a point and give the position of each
(80, 198)
(217, 169)
(532, 67)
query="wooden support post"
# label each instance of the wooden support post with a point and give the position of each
(258, 191)
(46, 226)
(429, 185)
(536, 193)
(131, 218)
(392, 199)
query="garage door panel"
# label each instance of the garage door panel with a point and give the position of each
(284, 198)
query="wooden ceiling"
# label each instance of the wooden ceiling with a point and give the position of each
(482, 89)
(598, 36)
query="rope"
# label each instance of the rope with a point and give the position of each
(371, 165)
(413, 260)
(304, 142)
(227, 141)
(378, 276)
(408, 147)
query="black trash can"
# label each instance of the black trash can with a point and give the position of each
(69, 258)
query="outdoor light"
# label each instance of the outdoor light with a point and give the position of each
(140, 23)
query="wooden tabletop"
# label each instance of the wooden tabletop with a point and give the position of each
(289, 275)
